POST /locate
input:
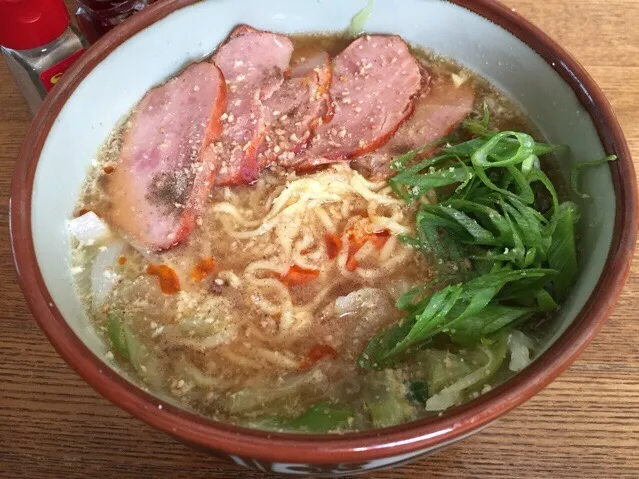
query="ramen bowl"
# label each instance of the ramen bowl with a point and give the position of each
(550, 86)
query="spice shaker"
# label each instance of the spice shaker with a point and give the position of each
(38, 44)
(96, 17)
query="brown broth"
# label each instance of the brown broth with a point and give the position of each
(235, 343)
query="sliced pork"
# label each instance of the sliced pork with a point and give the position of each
(163, 176)
(296, 109)
(374, 81)
(318, 68)
(253, 63)
(439, 110)
(241, 30)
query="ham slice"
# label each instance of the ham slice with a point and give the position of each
(319, 71)
(253, 63)
(165, 172)
(374, 81)
(241, 30)
(439, 110)
(297, 108)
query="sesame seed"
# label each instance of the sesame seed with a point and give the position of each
(157, 332)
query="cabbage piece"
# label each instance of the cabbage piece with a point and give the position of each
(451, 395)
(322, 418)
(440, 368)
(318, 419)
(145, 362)
(384, 395)
(126, 344)
(287, 394)
(520, 346)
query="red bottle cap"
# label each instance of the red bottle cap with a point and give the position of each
(26, 24)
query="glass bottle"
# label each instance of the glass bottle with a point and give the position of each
(38, 44)
(96, 17)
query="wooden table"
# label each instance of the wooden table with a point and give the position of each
(585, 424)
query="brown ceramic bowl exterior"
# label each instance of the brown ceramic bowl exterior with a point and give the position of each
(356, 451)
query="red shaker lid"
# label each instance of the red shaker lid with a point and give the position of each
(26, 24)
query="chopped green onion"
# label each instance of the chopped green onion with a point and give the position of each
(523, 259)
(562, 254)
(117, 335)
(462, 310)
(576, 171)
(417, 392)
(360, 18)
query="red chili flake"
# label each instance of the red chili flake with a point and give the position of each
(169, 281)
(318, 352)
(202, 269)
(333, 245)
(357, 239)
(108, 169)
(351, 263)
(379, 238)
(298, 276)
(122, 260)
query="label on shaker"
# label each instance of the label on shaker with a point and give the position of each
(52, 76)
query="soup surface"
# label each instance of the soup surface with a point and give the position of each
(308, 293)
